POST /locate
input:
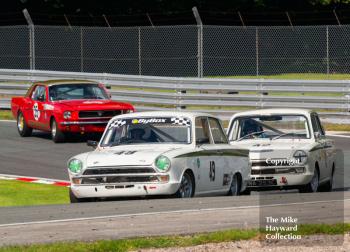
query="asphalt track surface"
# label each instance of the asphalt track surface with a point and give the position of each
(38, 156)
(125, 219)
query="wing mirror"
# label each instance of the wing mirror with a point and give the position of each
(92, 143)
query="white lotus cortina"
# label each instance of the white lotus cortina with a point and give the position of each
(160, 153)
(288, 149)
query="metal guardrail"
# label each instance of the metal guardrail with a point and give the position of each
(216, 95)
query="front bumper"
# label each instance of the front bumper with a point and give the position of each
(83, 126)
(281, 181)
(127, 190)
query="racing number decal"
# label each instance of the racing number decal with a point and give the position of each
(36, 112)
(124, 152)
(212, 171)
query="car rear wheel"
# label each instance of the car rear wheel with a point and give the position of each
(186, 189)
(56, 134)
(313, 185)
(22, 127)
(235, 187)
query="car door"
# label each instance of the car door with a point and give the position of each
(222, 161)
(207, 156)
(329, 149)
(321, 139)
(36, 111)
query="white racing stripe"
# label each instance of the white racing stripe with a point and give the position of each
(166, 212)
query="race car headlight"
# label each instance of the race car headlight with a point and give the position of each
(300, 156)
(75, 165)
(67, 114)
(162, 163)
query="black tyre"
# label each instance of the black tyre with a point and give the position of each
(328, 187)
(235, 188)
(246, 192)
(313, 185)
(74, 199)
(56, 134)
(23, 129)
(187, 187)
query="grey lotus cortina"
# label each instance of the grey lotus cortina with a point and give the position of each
(288, 149)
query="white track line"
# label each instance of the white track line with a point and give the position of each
(166, 212)
(37, 178)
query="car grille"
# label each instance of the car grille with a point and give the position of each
(275, 171)
(100, 171)
(99, 113)
(262, 163)
(261, 167)
(115, 175)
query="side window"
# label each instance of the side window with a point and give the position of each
(314, 123)
(202, 130)
(321, 130)
(39, 92)
(218, 134)
(35, 93)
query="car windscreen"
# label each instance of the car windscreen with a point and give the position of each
(76, 92)
(272, 127)
(150, 130)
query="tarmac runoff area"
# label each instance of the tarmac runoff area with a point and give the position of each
(138, 218)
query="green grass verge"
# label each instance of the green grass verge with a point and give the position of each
(17, 193)
(172, 241)
(6, 115)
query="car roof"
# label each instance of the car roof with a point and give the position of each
(64, 81)
(274, 111)
(190, 115)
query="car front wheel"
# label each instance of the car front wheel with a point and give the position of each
(186, 189)
(313, 185)
(74, 199)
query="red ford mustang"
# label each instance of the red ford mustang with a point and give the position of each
(66, 106)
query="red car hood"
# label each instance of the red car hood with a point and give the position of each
(94, 104)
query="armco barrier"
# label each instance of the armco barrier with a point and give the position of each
(222, 96)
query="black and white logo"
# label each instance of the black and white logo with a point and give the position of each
(36, 112)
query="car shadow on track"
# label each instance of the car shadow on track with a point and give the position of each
(70, 138)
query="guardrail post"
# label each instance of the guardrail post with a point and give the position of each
(261, 105)
(81, 50)
(327, 48)
(199, 42)
(31, 39)
(139, 52)
(257, 50)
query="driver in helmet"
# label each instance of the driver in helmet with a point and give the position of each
(251, 126)
(137, 134)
